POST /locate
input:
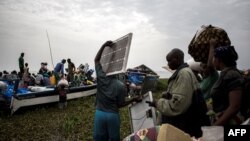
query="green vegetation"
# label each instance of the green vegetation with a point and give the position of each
(47, 122)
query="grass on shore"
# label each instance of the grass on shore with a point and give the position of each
(47, 122)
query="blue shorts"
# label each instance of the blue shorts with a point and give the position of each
(106, 126)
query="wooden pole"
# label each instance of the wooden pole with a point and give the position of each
(50, 49)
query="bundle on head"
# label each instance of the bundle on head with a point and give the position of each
(199, 45)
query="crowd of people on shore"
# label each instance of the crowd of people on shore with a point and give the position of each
(23, 81)
(48, 78)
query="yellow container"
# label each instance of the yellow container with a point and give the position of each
(52, 80)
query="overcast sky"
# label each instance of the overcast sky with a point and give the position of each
(77, 28)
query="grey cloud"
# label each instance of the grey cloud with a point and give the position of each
(170, 23)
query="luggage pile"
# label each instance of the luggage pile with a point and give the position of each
(140, 80)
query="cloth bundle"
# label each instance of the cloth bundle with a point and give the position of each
(165, 132)
(199, 45)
